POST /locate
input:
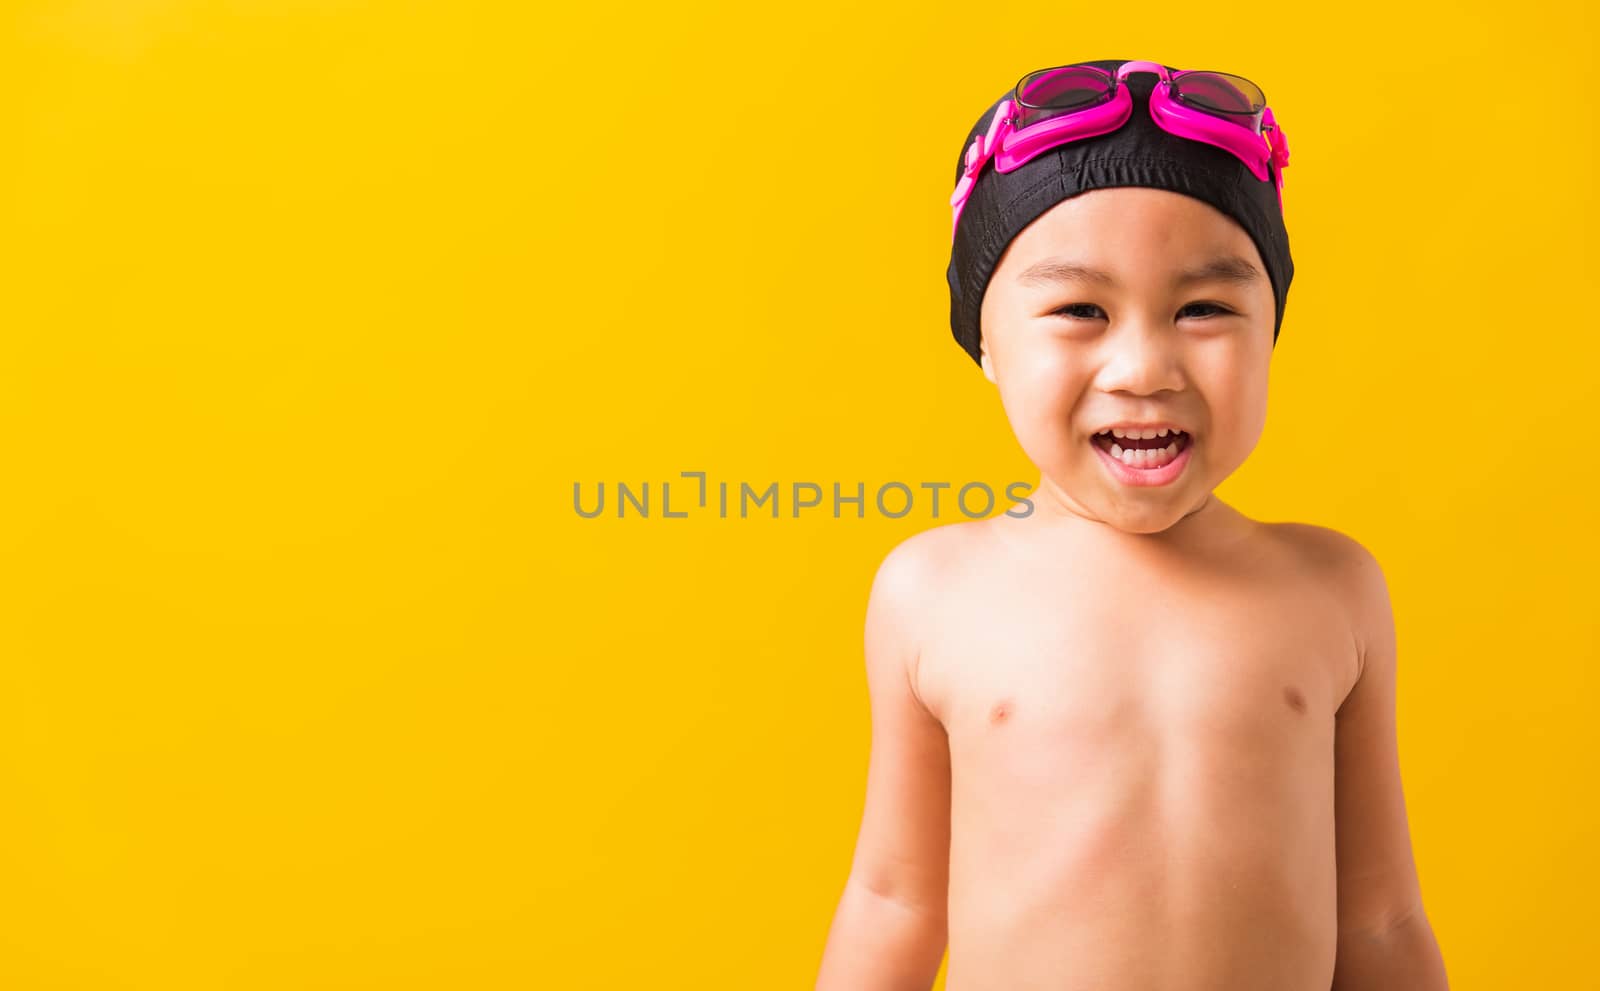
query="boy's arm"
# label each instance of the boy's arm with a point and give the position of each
(889, 929)
(1385, 940)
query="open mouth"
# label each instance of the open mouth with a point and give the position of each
(1143, 453)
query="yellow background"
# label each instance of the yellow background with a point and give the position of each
(314, 312)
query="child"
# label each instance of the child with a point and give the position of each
(1133, 739)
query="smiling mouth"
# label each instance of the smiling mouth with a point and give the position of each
(1135, 452)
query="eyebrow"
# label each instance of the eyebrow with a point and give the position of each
(1227, 268)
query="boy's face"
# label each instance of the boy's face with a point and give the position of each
(1072, 354)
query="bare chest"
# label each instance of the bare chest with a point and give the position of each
(1237, 665)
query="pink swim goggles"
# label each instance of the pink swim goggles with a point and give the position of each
(1054, 106)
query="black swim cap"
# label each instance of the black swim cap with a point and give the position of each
(1139, 153)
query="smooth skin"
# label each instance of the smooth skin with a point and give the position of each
(1134, 740)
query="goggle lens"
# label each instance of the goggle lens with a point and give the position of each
(1051, 92)
(1219, 93)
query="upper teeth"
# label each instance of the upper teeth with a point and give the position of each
(1140, 434)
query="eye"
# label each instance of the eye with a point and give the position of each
(1065, 311)
(1209, 306)
(1090, 311)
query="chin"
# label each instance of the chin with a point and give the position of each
(1149, 521)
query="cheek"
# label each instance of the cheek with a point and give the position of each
(1235, 387)
(1039, 391)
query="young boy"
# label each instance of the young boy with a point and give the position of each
(1134, 739)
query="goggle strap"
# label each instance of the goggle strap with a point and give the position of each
(983, 146)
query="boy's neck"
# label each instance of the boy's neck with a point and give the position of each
(1211, 522)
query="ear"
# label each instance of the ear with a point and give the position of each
(984, 360)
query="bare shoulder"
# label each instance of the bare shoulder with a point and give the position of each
(911, 582)
(1340, 556)
(1323, 546)
(912, 574)
(1352, 574)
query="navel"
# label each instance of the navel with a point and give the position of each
(1296, 701)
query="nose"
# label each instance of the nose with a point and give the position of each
(1141, 360)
